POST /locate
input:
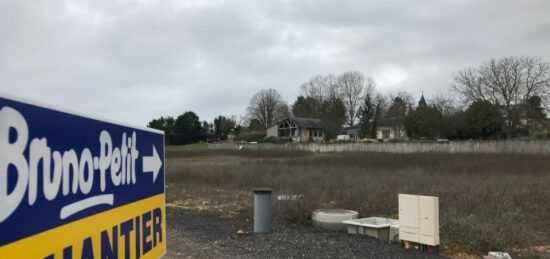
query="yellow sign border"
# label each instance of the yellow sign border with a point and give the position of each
(53, 241)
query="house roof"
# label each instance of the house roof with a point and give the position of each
(310, 123)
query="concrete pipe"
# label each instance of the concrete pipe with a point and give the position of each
(262, 210)
(331, 219)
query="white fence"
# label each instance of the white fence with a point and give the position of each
(501, 146)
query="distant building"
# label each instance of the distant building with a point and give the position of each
(301, 130)
(231, 136)
(387, 132)
(422, 102)
(352, 132)
(533, 123)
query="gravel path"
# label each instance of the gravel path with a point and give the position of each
(191, 235)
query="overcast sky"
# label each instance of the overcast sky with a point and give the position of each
(136, 60)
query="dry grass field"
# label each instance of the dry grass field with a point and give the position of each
(487, 201)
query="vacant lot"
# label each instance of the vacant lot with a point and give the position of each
(202, 235)
(487, 201)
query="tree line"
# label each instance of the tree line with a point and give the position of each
(187, 128)
(502, 98)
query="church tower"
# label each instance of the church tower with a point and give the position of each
(422, 102)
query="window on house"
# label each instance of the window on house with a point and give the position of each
(287, 129)
(386, 134)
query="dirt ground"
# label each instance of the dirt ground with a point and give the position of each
(192, 234)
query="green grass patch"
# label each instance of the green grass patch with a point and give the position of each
(188, 147)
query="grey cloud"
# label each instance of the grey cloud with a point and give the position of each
(136, 60)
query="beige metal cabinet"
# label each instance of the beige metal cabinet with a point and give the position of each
(408, 218)
(429, 220)
(419, 219)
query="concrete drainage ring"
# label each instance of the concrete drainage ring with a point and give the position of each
(331, 219)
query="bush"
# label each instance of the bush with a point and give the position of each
(276, 140)
(251, 136)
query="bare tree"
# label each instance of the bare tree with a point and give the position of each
(367, 110)
(381, 107)
(240, 122)
(445, 104)
(468, 85)
(405, 96)
(267, 107)
(536, 78)
(351, 85)
(370, 88)
(320, 87)
(507, 82)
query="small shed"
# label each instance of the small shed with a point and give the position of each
(301, 130)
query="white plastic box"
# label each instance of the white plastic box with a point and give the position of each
(374, 227)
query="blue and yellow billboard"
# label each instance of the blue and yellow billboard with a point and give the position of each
(74, 186)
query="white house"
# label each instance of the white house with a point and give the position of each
(351, 132)
(386, 133)
(301, 130)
